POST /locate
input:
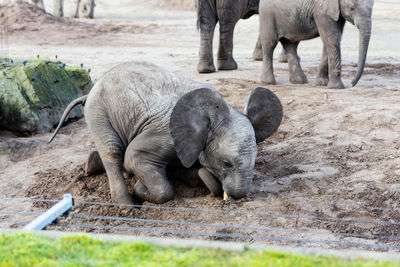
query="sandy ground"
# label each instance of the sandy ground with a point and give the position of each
(336, 153)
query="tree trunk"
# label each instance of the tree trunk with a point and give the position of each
(84, 9)
(58, 8)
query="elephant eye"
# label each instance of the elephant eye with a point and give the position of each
(227, 164)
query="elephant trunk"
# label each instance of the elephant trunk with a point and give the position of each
(364, 37)
(238, 185)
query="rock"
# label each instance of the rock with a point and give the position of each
(34, 94)
(81, 77)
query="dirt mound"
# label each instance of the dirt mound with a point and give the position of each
(28, 20)
(90, 188)
(53, 183)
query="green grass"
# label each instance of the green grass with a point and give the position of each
(23, 249)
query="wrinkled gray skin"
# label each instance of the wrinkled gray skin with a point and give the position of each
(227, 13)
(291, 21)
(144, 119)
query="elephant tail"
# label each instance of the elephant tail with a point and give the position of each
(80, 100)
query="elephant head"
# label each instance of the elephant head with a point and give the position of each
(205, 128)
(357, 12)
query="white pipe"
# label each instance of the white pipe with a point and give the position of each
(52, 214)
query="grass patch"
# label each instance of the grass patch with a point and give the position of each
(24, 249)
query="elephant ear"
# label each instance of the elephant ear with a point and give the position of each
(265, 112)
(331, 8)
(193, 116)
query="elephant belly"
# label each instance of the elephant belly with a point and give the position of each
(294, 20)
(298, 29)
(297, 37)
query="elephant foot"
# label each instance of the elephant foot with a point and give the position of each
(123, 199)
(257, 55)
(282, 58)
(268, 79)
(298, 78)
(335, 84)
(322, 81)
(227, 64)
(94, 164)
(204, 67)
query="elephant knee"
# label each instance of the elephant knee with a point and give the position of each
(162, 195)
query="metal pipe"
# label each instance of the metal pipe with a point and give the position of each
(52, 214)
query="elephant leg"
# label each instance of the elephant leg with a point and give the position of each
(58, 8)
(269, 40)
(257, 53)
(282, 57)
(145, 158)
(323, 70)
(77, 4)
(225, 57)
(267, 75)
(297, 75)
(118, 188)
(331, 35)
(86, 9)
(206, 62)
(114, 169)
(111, 151)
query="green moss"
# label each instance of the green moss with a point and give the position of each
(80, 76)
(34, 250)
(34, 93)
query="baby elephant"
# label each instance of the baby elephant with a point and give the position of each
(291, 21)
(143, 119)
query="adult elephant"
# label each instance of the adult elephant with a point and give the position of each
(291, 21)
(227, 13)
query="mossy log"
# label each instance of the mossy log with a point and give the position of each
(34, 93)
